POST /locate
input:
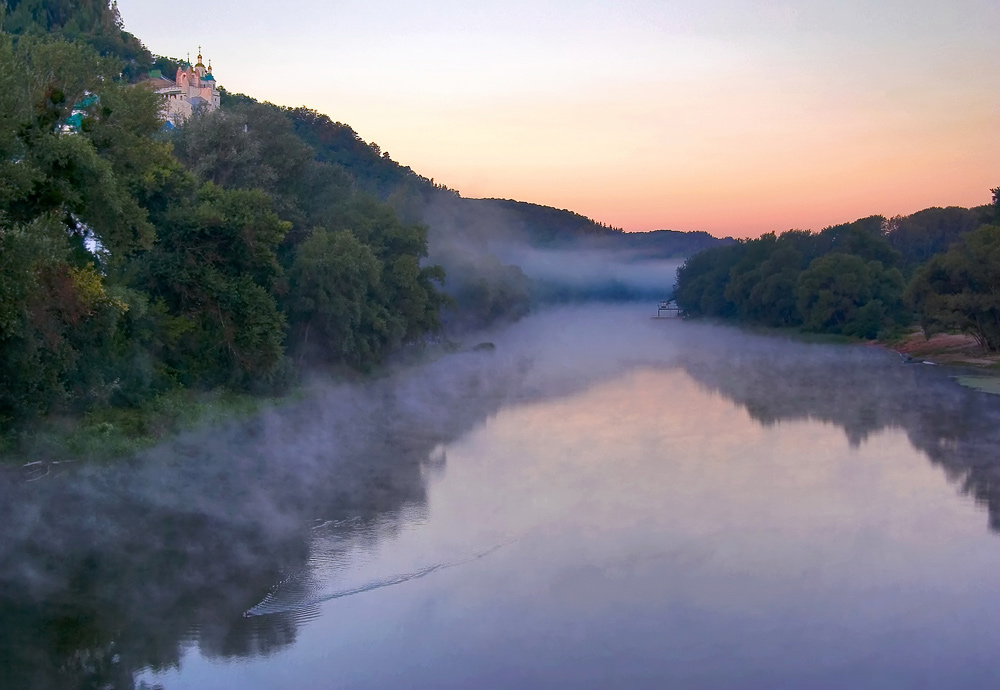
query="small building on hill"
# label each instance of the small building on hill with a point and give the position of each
(193, 88)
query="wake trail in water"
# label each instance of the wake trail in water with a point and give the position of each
(272, 604)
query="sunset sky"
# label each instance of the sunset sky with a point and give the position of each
(730, 116)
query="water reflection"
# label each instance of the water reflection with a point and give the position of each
(230, 541)
(105, 571)
(657, 535)
(863, 391)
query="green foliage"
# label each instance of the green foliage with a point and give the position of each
(842, 280)
(126, 273)
(56, 322)
(64, 340)
(960, 289)
(920, 236)
(413, 295)
(361, 300)
(544, 225)
(337, 144)
(247, 146)
(485, 291)
(252, 145)
(84, 177)
(865, 238)
(842, 293)
(214, 267)
(656, 244)
(702, 281)
(337, 300)
(94, 22)
(110, 432)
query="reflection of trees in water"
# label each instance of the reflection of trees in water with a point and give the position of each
(105, 571)
(864, 391)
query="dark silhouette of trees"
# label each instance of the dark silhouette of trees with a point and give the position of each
(960, 289)
(851, 279)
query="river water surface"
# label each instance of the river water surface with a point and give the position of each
(603, 501)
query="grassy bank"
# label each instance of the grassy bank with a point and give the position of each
(110, 433)
(115, 432)
(799, 335)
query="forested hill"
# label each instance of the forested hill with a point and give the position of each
(93, 22)
(136, 262)
(659, 244)
(544, 225)
(419, 198)
(234, 251)
(868, 278)
(372, 169)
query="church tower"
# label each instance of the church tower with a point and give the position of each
(193, 89)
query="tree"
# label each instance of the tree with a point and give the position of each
(211, 276)
(931, 231)
(122, 273)
(74, 212)
(336, 299)
(58, 324)
(773, 298)
(702, 281)
(960, 289)
(94, 22)
(255, 146)
(865, 237)
(842, 293)
(91, 178)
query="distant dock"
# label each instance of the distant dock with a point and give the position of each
(667, 309)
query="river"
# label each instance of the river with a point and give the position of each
(603, 501)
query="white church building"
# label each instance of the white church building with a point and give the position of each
(193, 88)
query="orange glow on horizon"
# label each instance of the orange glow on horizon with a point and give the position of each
(732, 117)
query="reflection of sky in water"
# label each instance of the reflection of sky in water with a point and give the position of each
(652, 535)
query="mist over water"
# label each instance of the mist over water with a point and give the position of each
(592, 273)
(604, 500)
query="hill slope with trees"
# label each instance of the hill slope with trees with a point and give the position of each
(234, 251)
(867, 278)
(133, 264)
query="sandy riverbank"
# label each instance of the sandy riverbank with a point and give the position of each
(944, 348)
(952, 350)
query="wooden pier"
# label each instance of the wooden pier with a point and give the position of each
(668, 309)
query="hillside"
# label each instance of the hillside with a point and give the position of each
(419, 198)
(242, 246)
(658, 244)
(93, 22)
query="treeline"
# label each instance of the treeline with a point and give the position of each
(133, 262)
(94, 22)
(658, 244)
(544, 226)
(869, 278)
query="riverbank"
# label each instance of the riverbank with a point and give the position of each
(948, 349)
(954, 349)
(589, 434)
(112, 433)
